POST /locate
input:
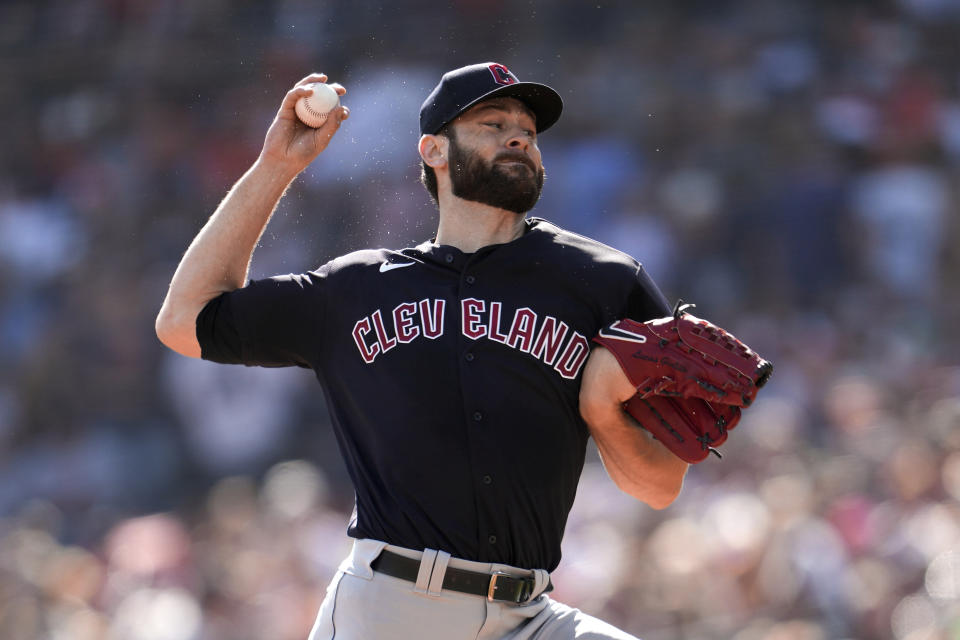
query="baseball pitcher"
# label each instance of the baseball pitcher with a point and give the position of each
(466, 374)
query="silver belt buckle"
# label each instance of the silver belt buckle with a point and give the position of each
(493, 583)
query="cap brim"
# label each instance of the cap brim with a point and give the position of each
(545, 103)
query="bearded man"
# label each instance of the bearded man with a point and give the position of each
(458, 373)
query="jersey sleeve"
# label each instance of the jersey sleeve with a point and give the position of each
(274, 322)
(645, 301)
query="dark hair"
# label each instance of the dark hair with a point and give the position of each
(427, 175)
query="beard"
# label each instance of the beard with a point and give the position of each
(511, 187)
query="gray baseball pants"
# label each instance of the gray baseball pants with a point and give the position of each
(365, 605)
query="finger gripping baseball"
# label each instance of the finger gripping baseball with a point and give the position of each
(685, 356)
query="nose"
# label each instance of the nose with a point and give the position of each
(519, 141)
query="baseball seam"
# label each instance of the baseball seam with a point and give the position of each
(312, 111)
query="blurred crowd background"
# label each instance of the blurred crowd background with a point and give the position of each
(791, 166)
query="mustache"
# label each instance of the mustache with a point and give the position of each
(515, 157)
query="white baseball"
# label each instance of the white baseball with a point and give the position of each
(314, 109)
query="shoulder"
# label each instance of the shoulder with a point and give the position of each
(364, 261)
(579, 248)
(361, 267)
(357, 260)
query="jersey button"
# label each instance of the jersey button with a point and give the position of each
(448, 258)
(492, 539)
(469, 357)
(487, 480)
(471, 279)
(477, 416)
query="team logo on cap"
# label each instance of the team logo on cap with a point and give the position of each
(501, 74)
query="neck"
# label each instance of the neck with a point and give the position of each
(469, 226)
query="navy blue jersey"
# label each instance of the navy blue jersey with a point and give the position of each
(452, 379)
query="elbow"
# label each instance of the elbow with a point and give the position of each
(166, 327)
(657, 493)
(664, 497)
(162, 326)
(177, 332)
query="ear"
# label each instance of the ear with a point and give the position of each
(433, 150)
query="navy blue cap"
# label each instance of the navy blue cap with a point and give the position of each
(462, 88)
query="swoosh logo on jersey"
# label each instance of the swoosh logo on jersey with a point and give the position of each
(388, 266)
(622, 334)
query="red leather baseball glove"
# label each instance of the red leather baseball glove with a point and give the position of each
(690, 427)
(684, 356)
(691, 376)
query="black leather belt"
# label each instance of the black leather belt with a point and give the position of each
(496, 586)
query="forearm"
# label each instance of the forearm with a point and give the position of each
(638, 464)
(218, 259)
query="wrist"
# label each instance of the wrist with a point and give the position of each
(276, 170)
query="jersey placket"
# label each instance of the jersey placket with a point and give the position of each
(473, 307)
